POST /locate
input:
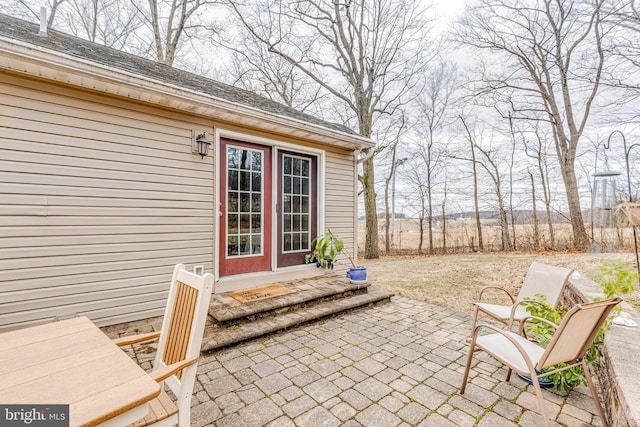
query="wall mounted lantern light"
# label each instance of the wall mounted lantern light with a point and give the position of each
(199, 143)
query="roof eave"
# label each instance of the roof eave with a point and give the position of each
(27, 59)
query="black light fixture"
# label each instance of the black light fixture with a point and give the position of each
(200, 143)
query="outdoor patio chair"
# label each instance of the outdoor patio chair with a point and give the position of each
(179, 347)
(569, 344)
(541, 279)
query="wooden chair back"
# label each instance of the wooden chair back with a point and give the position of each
(182, 330)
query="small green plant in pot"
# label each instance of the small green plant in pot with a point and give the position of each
(326, 248)
(541, 332)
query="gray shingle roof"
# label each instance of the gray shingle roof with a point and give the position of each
(24, 31)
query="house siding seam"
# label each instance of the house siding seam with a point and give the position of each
(99, 199)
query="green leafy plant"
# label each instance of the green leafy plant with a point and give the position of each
(617, 278)
(326, 248)
(542, 333)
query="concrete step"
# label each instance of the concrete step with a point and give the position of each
(218, 335)
(228, 311)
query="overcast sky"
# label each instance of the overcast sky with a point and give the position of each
(449, 9)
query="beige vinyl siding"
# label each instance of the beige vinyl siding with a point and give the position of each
(339, 207)
(99, 198)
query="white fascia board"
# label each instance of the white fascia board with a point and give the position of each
(28, 59)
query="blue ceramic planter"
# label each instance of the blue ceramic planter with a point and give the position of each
(358, 274)
(543, 381)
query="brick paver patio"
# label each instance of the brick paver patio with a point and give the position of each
(397, 364)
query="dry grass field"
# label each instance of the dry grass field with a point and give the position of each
(461, 237)
(454, 281)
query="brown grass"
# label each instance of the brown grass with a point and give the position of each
(454, 281)
(461, 237)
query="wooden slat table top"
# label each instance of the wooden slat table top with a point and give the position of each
(72, 362)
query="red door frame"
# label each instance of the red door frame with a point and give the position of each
(296, 258)
(246, 263)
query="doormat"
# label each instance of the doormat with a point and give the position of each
(258, 294)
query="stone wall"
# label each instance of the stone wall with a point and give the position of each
(620, 377)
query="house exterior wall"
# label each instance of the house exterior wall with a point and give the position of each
(100, 197)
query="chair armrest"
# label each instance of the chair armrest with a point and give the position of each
(524, 320)
(133, 339)
(540, 319)
(164, 373)
(511, 297)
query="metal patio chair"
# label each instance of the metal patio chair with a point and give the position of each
(541, 279)
(568, 345)
(179, 347)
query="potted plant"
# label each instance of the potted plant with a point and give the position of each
(326, 248)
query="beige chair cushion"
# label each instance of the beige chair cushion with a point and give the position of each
(502, 349)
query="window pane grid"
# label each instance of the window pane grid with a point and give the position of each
(244, 202)
(296, 204)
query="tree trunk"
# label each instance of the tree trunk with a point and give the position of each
(444, 225)
(580, 236)
(536, 231)
(476, 203)
(370, 209)
(546, 191)
(430, 209)
(421, 228)
(387, 221)
(504, 224)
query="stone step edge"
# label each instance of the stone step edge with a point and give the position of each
(302, 297)
(262, 327)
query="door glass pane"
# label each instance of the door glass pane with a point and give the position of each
(244, 202)
(245, 180)
(296, 193)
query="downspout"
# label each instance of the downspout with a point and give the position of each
(356, 156)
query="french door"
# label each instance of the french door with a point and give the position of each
(245, 207)
(297, 202)
(258, 230)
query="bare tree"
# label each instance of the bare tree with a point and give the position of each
(512, 134)
(256, 69)
(623, 73)
(491, 166)
(444, 218)
(169, 22)
(108, 22)
(273, 77)
(395, 162)
(474, 166)
(539, 152)
(30, 10)
(366, 54)
(112, 23)
(417, 180)
(433, 109)
(543, 46)
(536, 229)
